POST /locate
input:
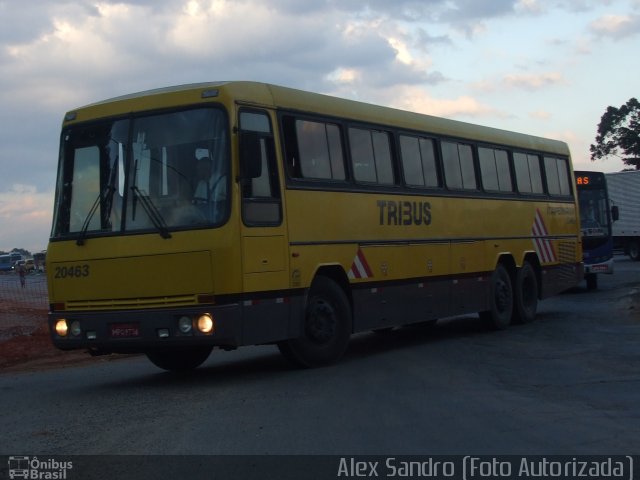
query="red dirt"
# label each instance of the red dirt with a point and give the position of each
(25, 343)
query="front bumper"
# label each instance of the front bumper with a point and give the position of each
(601, 267)
(135, 331)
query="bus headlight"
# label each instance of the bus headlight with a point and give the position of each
(205, 323)
(185, 324)
(75, 328)
(62, 328)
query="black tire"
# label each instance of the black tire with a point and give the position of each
(526, 294)
(501, 300)
(424, 325)
(592, 281)
(326, 329)
(634, 249)
(180, 360)
(383, 330)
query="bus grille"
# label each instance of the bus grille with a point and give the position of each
(567, 257)
(131, 303)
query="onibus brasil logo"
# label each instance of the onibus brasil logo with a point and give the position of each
(33, 468)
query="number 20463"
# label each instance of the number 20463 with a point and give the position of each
(73, 271)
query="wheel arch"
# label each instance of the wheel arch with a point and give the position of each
(507, 260)
(326, 322)
(336, 273)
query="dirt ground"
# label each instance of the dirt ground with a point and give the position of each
(25, 343)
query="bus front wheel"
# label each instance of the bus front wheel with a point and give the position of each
(501, 300)
(179, 360)
(326, 328)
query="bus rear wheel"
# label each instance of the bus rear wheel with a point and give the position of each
(634, 249)
(180, 360)
(501, 300)
(592, 281)
(526, 294)
(326, 328)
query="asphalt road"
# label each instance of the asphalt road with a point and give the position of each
(568, 383)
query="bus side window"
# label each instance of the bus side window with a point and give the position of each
(459, 171)
(418, 160)
(528, 174)
(371, 156)
(494, 167)
(536, 173)
(551, 175)
(320, 150)
(557, 176)
(563, 176)
(313, 149)
(261, 195)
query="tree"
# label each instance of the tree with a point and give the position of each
(619, 134)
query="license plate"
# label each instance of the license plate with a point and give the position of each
(125, 330)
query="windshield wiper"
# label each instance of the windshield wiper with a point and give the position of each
(106, 195)
(152, 212)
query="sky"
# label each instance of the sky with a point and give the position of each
(542, 67)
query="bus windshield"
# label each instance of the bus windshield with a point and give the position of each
(146, 173)
(594, 216)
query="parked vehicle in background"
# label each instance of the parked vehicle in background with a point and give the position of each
(596, 217)
(18, 264)
(39, 260)
(5, 263)
(624, 191)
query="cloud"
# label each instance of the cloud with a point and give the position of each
(25, 215)
(540, 115)
(58, 55)
(521, 81)
(127, 47)
(529, 6)
(417, 100)
(64, 54)
(533, 81)
(423, 40)
(579, 147)
(464, 10)
(580, 6)
(616, 26)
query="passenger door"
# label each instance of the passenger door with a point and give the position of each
(263, 235)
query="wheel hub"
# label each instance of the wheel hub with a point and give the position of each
(321, 322)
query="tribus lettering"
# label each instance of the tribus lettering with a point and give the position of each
(404, 213)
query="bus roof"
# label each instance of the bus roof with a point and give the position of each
(274, 96)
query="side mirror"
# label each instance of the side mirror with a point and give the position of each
(615, 213)
(250, 155)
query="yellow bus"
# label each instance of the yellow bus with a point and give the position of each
(242, 213)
